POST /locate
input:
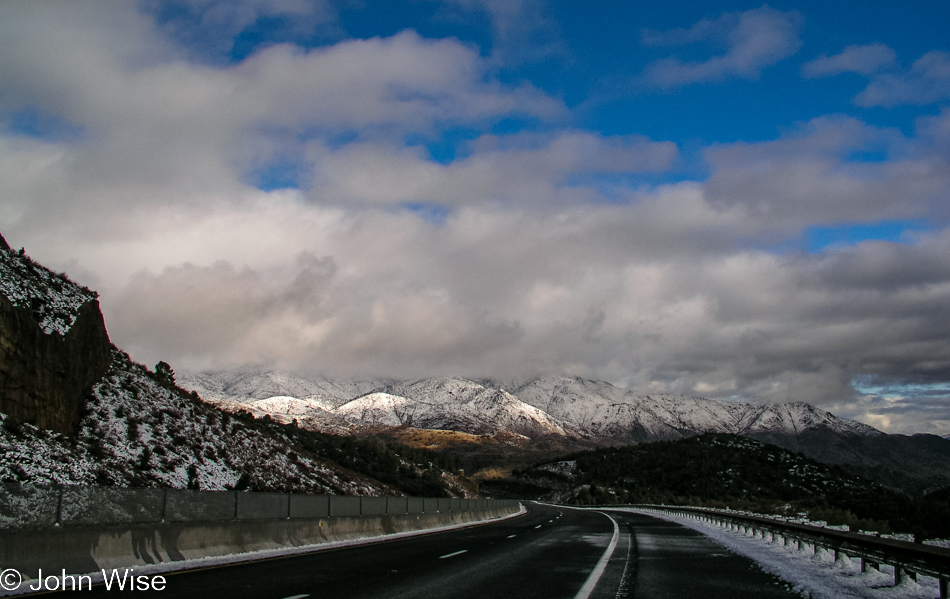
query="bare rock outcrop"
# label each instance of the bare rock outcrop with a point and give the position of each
(46, 373)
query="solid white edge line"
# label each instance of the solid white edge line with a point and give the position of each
(598, 570)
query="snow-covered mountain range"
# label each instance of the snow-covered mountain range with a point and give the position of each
(548, 406)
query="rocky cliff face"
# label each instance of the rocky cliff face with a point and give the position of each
(53, 344)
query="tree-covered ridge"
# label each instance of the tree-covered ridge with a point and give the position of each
(414, 471)
(728, 470)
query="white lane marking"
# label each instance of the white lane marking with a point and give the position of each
(512, 536)
(598, 570)
(296, 597)
(538, 526)
(454, 554)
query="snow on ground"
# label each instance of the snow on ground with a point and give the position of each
(139, 433)
(814, 575)
(53, 298)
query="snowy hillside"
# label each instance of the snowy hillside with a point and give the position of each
(138, 432)
(452, 404)
(250, 383)
(52, 297)
(609, 411)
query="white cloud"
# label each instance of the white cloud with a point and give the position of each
(926, 82)
(521, 29)
(864, 59)
(167, 130)
(754, 40)
(808, 177)
(899, 410)
(526, 169)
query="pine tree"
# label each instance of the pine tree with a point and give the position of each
(165, 374)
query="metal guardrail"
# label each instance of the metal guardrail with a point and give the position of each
(908, 559)
(29, 506)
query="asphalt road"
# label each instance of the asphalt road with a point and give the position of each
(549, 553)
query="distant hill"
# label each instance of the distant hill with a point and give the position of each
(731, 471)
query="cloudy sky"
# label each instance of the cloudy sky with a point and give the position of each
(726, 199)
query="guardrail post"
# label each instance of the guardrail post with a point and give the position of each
(164, 501)
(900, 573)
(942, 585)
(288, 506)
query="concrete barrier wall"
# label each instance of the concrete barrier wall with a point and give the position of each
(309, 506)
(27, 506)
(87, 549)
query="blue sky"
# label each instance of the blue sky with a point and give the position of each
(737, 200)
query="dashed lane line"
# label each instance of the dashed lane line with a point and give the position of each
(454, 554)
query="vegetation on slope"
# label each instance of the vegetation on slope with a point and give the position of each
(414, 471)
(730, 471)
(138, 429)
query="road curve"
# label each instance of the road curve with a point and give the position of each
(549, 553)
